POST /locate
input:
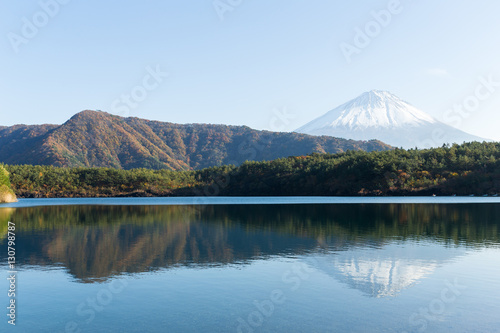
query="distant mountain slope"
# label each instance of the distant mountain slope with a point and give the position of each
(383, 116)
(21, 144)
(99, 139)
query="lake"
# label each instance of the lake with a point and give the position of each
(253, 265)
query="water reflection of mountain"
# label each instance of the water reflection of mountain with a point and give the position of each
(95, 242)
(388, 270)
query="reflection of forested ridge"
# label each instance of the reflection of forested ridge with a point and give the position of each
(5, 214)
(469, 223)
(99, 241)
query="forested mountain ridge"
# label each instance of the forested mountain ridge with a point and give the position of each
(23, 144)
(470, 168)
(99, 139)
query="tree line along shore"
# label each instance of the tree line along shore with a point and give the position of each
(466, 169)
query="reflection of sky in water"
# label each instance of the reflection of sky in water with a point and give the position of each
(211, 299)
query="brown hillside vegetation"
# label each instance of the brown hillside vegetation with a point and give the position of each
(99, 139)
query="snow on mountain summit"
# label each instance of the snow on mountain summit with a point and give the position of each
(372, 109)
(381, 115)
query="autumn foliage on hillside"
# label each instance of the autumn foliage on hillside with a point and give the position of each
(99, 139)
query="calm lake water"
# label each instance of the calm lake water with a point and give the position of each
(254, 265)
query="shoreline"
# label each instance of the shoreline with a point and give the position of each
(255, 200)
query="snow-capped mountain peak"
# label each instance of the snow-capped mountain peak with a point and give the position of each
(378, 114)
(374, 108)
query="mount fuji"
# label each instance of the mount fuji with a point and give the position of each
(383, 116)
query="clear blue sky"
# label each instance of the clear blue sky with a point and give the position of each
(263, 56)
